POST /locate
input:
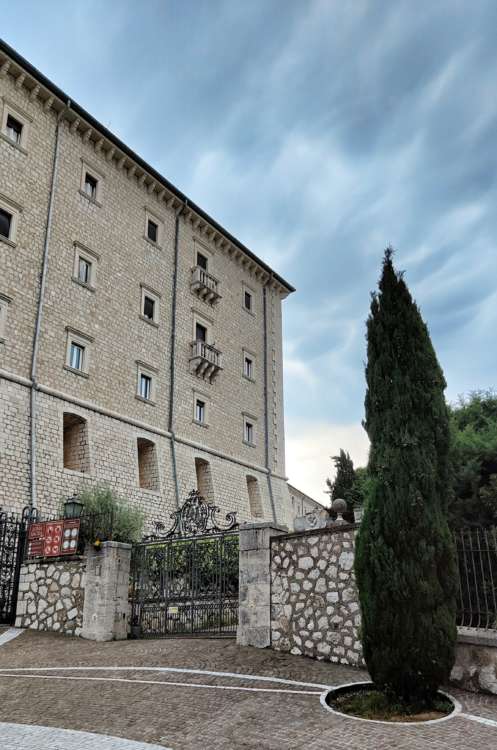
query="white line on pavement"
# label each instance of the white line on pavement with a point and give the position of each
(158, 682)
(176, 670)
(480, 719)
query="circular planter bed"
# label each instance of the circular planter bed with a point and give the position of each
(362, 701)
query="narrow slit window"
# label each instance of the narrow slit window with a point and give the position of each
(5, 223)
(145, 386)
(84, 271)
(148, 307)
(249, 432)
(152, 231)
(200, 411)
(248, 367)
(91, 186)
(76, 357)
(247, 301)
(14, 129)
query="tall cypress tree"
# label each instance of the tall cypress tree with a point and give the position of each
(405, 559)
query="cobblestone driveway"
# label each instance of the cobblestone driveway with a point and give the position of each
(206, 711)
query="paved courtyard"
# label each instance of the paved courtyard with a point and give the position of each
(192, 693)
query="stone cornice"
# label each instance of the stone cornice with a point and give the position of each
(49, 97)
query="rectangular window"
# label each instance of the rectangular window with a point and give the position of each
(200, 332)
(150, 301)
(247, 301)
(4, 305)
(5, 223)
(202, 261)
(200, 411)
(249, 432)
(14, 129)
(91, 186)
(148, 307)
(84, 270)
(145, 386)
(152, 231)
(248, 367)
(76, 357)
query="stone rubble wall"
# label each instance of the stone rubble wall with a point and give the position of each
(314, 598)
(475, 668)
(51, 596)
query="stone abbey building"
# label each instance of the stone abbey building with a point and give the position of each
(140, 343)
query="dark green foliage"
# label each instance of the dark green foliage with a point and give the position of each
(362, 486)
(343, 486)
(405, 559)
(473, 422)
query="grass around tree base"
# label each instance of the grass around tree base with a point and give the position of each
(368, 703)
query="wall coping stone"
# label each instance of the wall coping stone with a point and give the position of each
(118, 545)
(52, 560)
(477, 637)
(263, 525)
(333, 529)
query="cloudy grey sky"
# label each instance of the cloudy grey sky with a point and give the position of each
(317, 131)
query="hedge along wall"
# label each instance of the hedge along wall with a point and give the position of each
(314, 598)
(51, 596)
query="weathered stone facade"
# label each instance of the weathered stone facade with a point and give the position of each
(51, 596)
(314, 599)
(41, 392)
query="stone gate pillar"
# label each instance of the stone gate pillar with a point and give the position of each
(254, 616)
(106, 607)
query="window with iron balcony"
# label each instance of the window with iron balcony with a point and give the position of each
(205, 359)
(203, 283)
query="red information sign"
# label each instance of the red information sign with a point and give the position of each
(53, 538)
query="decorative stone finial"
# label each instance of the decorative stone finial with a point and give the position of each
(339, 507)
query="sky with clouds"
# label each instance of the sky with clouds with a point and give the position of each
(318, 132)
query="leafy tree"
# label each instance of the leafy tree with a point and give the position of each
(405, 558)
(473, 423)
(343, 484)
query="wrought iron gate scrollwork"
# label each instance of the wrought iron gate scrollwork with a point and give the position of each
(185, 580)
(12, 539)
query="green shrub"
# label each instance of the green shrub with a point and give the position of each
(105, 514)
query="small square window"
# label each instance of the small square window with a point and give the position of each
(13, 129)
(5, 223)
(152, 231)
(84, 270)
(148, 307)
(85, 265)
(200, 411)
(90, 186)
(248, 367)
(145, 386)
(76, 357)
(77, 351)
(247, 300)
(202, 261)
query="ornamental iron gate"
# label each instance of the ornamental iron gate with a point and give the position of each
(185, 581)
(12, 540)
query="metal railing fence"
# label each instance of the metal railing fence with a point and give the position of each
(477, 558)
